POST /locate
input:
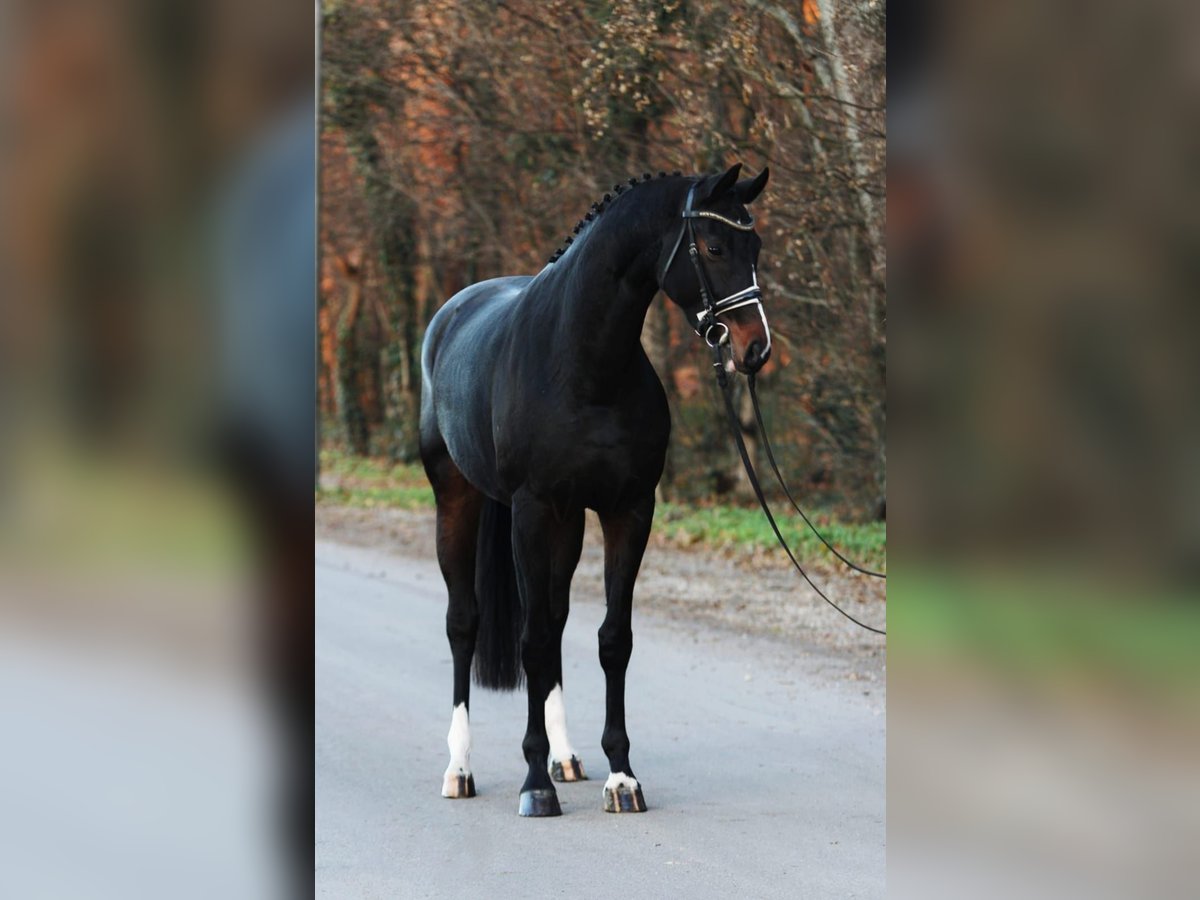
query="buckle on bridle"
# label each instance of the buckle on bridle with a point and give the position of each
(722, 338)
(707, 318)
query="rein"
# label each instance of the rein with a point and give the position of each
(762, 430)
(707, 323)
(735, 427)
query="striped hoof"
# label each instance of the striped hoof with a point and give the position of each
(623, 794)
(570, 770)
(458, 785)
(539, 802)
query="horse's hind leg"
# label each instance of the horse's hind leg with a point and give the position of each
(546, 548)
(458, 508)
(625, 536)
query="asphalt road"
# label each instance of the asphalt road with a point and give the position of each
(763, 773)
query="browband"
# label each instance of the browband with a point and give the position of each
(741, 226)
(689, 213)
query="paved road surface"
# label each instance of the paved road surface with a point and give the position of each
(764, 775)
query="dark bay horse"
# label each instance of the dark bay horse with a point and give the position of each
(538, 402)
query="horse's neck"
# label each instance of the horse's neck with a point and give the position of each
(614, 281)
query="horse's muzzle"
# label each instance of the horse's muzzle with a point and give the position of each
(756, 356)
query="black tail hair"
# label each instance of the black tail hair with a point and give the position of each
(498, 640)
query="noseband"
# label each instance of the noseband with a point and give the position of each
(707, 321)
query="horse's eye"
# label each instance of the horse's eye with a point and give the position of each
(714, 250)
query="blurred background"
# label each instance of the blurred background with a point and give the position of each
(159, 354)
(1044, 457)
(157, 351)
(461, 141)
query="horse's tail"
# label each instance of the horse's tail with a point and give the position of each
(498, 640)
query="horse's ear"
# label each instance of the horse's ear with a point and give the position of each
(750, 188)
(714, 186)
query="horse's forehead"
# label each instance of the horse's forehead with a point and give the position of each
(728, 206)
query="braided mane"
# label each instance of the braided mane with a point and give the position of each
(599, 206)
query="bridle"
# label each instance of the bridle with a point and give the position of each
(707, 321)
(707, 325)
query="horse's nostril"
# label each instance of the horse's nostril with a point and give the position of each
(755, 357)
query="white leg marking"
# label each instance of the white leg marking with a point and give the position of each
(556, 726)
(620, 779)
(459, 741)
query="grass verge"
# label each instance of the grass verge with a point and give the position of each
(1044, 623)
(368, 482)
(745, 528)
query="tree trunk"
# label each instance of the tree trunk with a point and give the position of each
(349, 398)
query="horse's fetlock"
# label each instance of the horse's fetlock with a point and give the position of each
(536, 746)
(615, 745)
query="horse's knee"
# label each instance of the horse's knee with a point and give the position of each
(616, 647)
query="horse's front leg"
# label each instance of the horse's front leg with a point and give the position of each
(546, 548)
(625, 536)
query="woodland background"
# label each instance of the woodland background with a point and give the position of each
(460, 141)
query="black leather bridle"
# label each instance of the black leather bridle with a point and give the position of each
(707, 321)
(707, 325)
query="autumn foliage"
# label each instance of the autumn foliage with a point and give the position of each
(461, 141)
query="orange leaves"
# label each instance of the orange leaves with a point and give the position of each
(811, 12)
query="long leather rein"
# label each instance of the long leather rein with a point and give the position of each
(715, 334)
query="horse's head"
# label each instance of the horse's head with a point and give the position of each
(712, 248)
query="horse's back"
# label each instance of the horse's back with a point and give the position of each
(458, 360)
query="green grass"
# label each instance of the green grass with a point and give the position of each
(1038, 622)
(746, 528)
(369, 482)
(93, 515)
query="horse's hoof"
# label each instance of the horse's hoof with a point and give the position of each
(539, 802)
(458, 786)
(623, 800)
(622, 794)
(570, 770)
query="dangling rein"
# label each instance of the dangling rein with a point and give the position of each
(736, 428)
(715, 334)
